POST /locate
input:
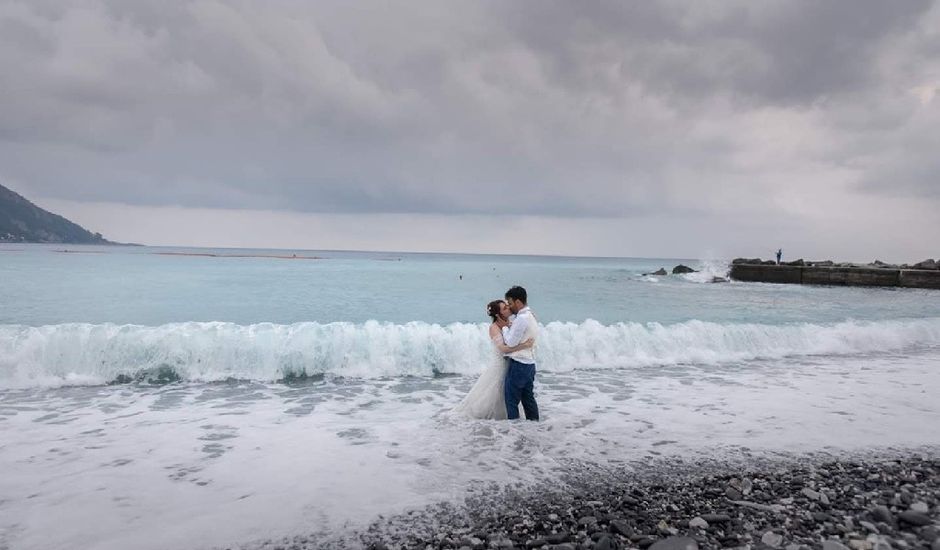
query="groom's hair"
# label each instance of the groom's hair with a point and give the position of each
(517, 293)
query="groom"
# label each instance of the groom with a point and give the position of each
(520, 377)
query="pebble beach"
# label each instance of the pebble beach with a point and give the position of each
(875, 502)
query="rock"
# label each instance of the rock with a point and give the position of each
(825, 263)
(751, 261)
(557, 538)
(698, 523)
(821, 517)
(587, 521)
(679, 269)
(772, 539)
(719, 280)
(661, 271)
(733, 493)
(882, 514)
(935, 545)
(621, 527)
(921, 507)
(915, 518)
(926, 264)
(883, 265)
(861, 544)
(870, 526)
(604, 543)
(797, 263)
(930, 533)
(743, 486)
(747, 486)
(536, 543)
(831, 544)
(675, 543)
(716, 518)
(758, 506)
(811, 494)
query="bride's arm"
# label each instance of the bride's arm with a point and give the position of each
(497, 337)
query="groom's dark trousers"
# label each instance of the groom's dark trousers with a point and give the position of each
(520, 385)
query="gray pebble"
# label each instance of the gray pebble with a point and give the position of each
(587, 520)
(870, 526)
(772, 539)
(882, 514)
(915, 518)
(621, 527)
(675, 543)
(811, 494)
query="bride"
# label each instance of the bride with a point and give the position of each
(485, 399)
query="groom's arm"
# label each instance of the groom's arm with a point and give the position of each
(512, 336)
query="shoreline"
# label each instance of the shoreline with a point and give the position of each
(853, 502)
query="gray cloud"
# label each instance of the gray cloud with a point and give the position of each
(608, 109)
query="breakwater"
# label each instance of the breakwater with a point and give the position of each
(876, 274)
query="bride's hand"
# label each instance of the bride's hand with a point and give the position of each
(527, 344)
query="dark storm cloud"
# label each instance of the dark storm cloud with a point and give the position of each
(547, 108)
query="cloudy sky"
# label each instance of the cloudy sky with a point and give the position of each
(691, 128)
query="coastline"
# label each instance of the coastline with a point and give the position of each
(874, 501)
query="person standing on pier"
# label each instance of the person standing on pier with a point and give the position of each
(779, 255)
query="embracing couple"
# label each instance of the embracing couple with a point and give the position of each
(511, 377)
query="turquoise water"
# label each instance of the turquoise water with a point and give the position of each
(138, 285)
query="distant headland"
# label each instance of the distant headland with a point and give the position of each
(21, 221)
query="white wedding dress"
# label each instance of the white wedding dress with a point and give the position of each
(485, 399)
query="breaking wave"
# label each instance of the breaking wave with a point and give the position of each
(80, 354)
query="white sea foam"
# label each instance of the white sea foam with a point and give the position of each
(83, 354)
(708, 271)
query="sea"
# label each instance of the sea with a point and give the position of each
(155, 398)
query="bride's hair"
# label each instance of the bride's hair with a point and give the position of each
(492, 309)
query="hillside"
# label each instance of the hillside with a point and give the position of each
(23, 222)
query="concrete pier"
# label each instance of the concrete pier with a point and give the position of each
(841, 276)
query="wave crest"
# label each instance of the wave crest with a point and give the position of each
(96, 354)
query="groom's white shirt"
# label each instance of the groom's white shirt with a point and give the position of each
(524, 327)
